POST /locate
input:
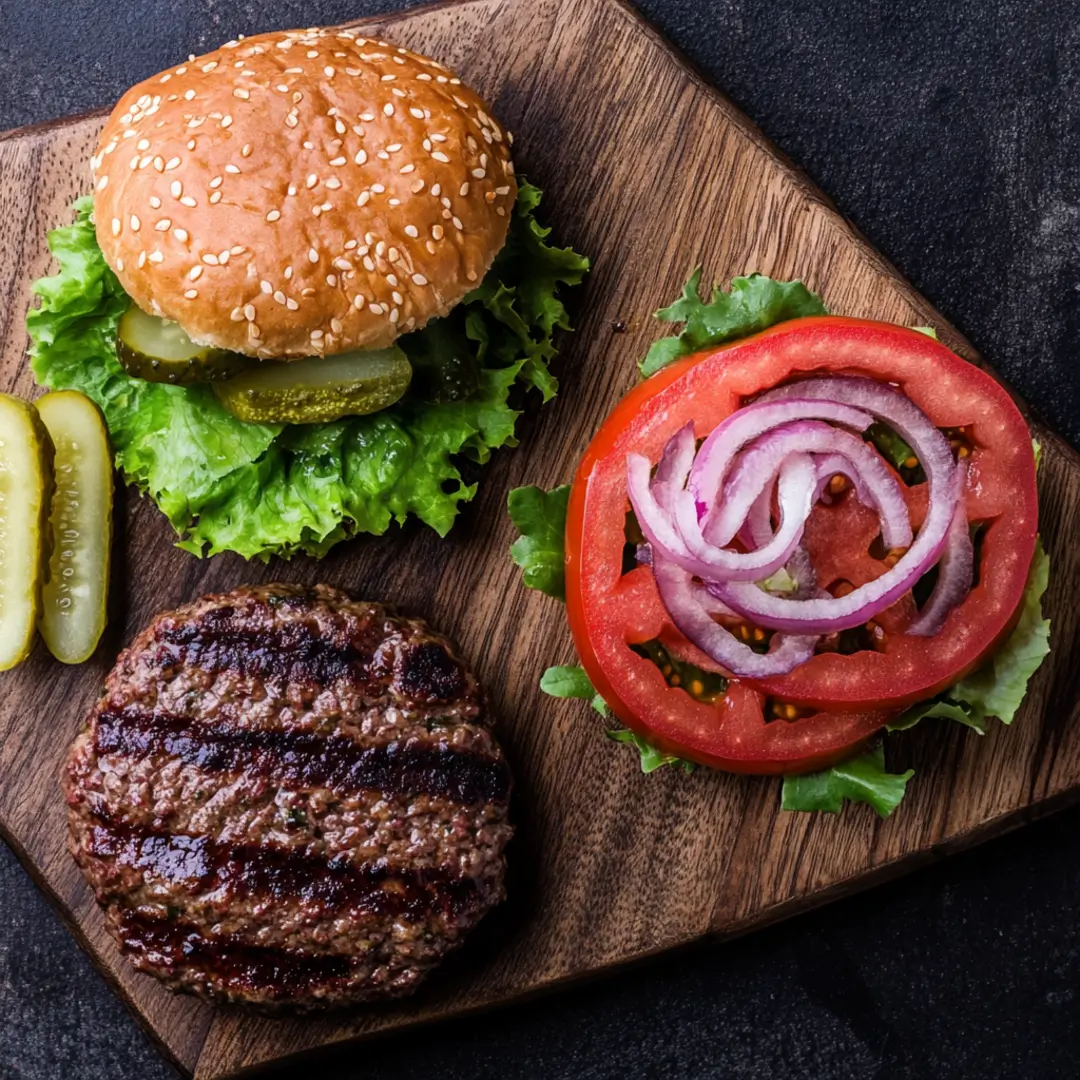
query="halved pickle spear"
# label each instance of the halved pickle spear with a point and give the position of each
(318, 389)
(76, 587)
(25, 483)
(158, 350)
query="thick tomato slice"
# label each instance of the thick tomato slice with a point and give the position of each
(853, 694)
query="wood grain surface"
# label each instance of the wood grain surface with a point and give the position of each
(650, 172)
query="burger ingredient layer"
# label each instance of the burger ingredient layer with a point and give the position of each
(288, 798)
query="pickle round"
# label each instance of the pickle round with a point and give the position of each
(319, 389)
(76, 586)
(25, 486)
(158, 350)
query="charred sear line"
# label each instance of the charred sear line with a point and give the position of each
(240, 968)
(426, 674)
(294, 652)
(298, 759)
(256, 871)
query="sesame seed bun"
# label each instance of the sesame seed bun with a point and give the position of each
(302, 193)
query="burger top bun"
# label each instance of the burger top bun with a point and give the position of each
(302, 193)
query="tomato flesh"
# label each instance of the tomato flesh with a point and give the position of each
(848, 696)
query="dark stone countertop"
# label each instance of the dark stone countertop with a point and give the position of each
(950, 133)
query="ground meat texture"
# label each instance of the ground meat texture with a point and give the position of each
(290, 799)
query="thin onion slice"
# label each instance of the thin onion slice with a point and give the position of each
(956, 571)
(691, 615)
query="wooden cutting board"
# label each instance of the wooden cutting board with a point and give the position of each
(649, 171)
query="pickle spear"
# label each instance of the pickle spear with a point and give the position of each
(158, 350)
(25, 483)
(76, 585)
(318, 389)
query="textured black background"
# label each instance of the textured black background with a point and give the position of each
(950, 133)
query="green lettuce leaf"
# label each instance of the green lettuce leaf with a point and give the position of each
(266, 489)
(651, 758)
(540, 517)
(997, 688)
(572, 682)
(860, 779)
(753, 304)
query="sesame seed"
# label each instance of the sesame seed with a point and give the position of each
(437, 232)
(338, 161)
(419, 279)
(375, 309)
(358, 302)
(237, 249)
(378, 189)
(339, 127)
(388, 78)
(191, 294)
(464, 189)
(195, 273)
(457, 224)
(291, 190)
(408, 168)
(245, 150)
(396, 92)
(241, 93)
(391, 279)
(209, 66)
(335, 325)
(189, 95)
(163, 224)
(369, 266)
(249, 312)
(436, 190)
(232, 169)
(328, 71)
(504, 190)
(119, 264)
(156, 257)
(223, 258)
(313, 255)
(411, 230)
(281, 88)
(215, 198)
(279, 296)
(291, 304)
(159, 163)
(395, 315)
(291, 121)
(142, 259)
(216, 182)
(266, 287)
(398, 298)
(436, 137)
(417, 187)
(237, 314)
(135, 223)
(253, 330)
(331, 280)
(501, 211)
(382, 155)
(388, 108)
(479, 173)
(143, 144)
(273, 215)
(210, 259)
(333, 183)
(418, 113)
(430, 247)
(311, 181)
(226, 121)
(367, 117)
(316, 335)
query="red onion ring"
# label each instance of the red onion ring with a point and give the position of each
(691, 616)
(827, 615)
(956, 570)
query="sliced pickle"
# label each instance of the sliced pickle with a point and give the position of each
(319, 389)
(158, 350)
(25, 484)
(76, 587)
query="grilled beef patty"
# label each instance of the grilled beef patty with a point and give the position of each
(289, 798)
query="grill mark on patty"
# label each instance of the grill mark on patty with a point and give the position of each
(246, 870)
(280, 973)
(303, 759)
(292, 651)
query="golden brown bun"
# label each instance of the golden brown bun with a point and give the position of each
(302, 192)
